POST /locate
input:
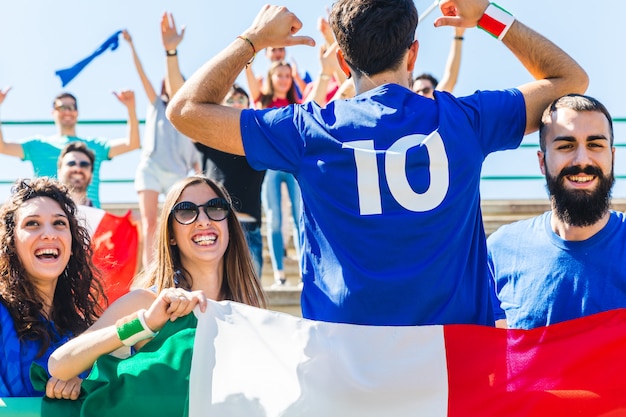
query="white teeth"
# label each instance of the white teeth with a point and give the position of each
(205, 238)
(581, 179)
(47, 252)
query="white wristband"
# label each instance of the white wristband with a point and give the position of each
(496, 21)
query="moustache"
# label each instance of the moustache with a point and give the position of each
(574, 170)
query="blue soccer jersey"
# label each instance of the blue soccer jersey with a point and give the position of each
(392, 231)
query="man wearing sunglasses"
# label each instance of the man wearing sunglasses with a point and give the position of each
(75, 169)
(43, 152)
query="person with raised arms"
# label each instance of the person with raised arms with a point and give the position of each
(393, 233)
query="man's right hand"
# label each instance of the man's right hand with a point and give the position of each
(276, 26)
(461, 13)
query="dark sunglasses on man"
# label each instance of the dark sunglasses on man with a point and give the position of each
(82, 164)
(186, 212)
(65, 107)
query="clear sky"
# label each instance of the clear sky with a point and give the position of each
(37, 37)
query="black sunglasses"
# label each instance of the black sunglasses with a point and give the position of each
(65, 107)
(82, 164)
(186, 212)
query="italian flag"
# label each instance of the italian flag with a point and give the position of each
(236, 360)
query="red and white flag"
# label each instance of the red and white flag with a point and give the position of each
(253, 362)
(115, 241)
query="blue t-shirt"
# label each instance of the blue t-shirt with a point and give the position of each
(392, 232)
(541, 279)
(16, 358)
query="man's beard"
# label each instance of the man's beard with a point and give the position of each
(76, 184)
(580, 207)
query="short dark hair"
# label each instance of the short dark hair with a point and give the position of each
(77, 146)
(576, 102)
(65, 95)
(374, 34)
(429, 77)
(237, 89)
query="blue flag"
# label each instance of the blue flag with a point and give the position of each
(68, 74)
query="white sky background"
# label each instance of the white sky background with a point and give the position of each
(37, 37)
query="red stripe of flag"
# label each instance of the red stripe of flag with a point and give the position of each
(116, 243)
(575, 368)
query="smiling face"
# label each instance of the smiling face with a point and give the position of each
(281, 79)
(75, 171)
(275, 54)
(65, 113)
(43, 241)
(578, 164)
(203, 242)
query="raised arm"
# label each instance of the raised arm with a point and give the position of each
(330, 67)
(131, 142)
(555, 72)
(196, 111)
(453, 64)
(145, 82)
(12, 149)
(253, 85)
(171, 39)
(295, 75)
(80, 353)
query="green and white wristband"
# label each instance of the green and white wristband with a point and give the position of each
(135, 330)
(496, 21)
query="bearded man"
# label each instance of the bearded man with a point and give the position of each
(568, 262)
(75, 169)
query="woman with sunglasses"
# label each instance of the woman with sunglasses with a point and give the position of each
(201, 253)
(49, 291)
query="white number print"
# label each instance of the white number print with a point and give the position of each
(368, 182)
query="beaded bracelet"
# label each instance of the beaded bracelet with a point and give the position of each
(243, 38)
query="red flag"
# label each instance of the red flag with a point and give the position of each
(115, 241)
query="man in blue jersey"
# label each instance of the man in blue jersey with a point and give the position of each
(392, 230)
(568, 262)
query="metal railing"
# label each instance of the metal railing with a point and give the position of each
(616, 120)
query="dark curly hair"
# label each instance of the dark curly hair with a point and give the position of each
(78, 298)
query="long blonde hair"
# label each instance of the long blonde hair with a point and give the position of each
(240, 281)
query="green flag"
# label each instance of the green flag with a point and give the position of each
(152, 382)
